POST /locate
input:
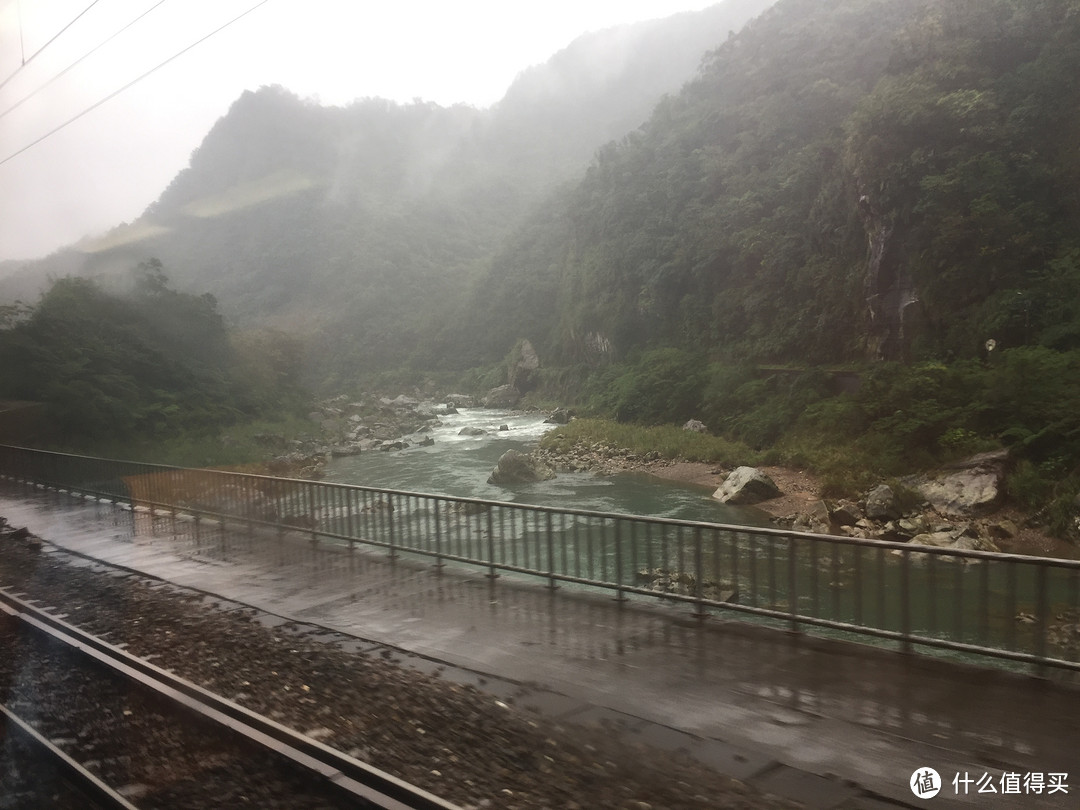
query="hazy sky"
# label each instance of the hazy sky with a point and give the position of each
(106, 167)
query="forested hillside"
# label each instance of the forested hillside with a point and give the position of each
(140, 361)
(890, 179)
(361, 226)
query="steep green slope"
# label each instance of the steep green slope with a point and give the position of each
(844, 180)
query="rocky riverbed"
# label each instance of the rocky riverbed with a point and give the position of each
(940, 517)
(962, 506)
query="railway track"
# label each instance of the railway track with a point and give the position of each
(125, 733)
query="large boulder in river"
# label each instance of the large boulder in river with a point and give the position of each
(505, 396)
(969, 487)
(519, 468)
(746, 485)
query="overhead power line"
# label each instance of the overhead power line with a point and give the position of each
(132, 83)
(27, 60)
(97, 47)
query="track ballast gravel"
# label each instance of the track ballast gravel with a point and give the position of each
(450, 739)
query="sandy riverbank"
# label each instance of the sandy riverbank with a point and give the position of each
(800, 488)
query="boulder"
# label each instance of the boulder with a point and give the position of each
(505, 396)
(911, 526)
(970, 487)
(471, 431)
(339, 450)
(746, 485)
(954, 540)
(559, 416)
(845, 513)
(695, 426)
(882, 504)
(519, 468)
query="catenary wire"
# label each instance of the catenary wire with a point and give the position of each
(97, 47)
(133, 82)
(27, 60)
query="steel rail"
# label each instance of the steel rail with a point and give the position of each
(79, 778)
(369, 786)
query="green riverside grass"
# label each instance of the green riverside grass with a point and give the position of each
(668, 441)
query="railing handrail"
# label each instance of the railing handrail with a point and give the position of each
(803, 579)
(559, 510)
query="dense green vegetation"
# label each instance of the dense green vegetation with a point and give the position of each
(144, 365)
(902, 418)
(736, 221)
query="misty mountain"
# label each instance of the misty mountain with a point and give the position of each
(883, 179)
(861, 179)
(363, 222)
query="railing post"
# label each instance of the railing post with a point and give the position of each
(390, 526)
(699, 574)
(619, 597)
(439, 565)
(492, 573)
(1041, 619)
(905, 600)
(793, 588)
(552, 583)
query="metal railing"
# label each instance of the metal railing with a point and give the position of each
(1014, 608)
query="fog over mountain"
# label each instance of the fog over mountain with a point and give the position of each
(883, 179)
(297, 214)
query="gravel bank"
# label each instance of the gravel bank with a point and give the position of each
(451, 739)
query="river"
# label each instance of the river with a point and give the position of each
(460, 465)
(972, 602)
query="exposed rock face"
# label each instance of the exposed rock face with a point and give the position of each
(970, 487)
(695, 426)
(881, 503)
(519, 468)
(746, 485)
(890, 290)
(505, 396)
(523, 372)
